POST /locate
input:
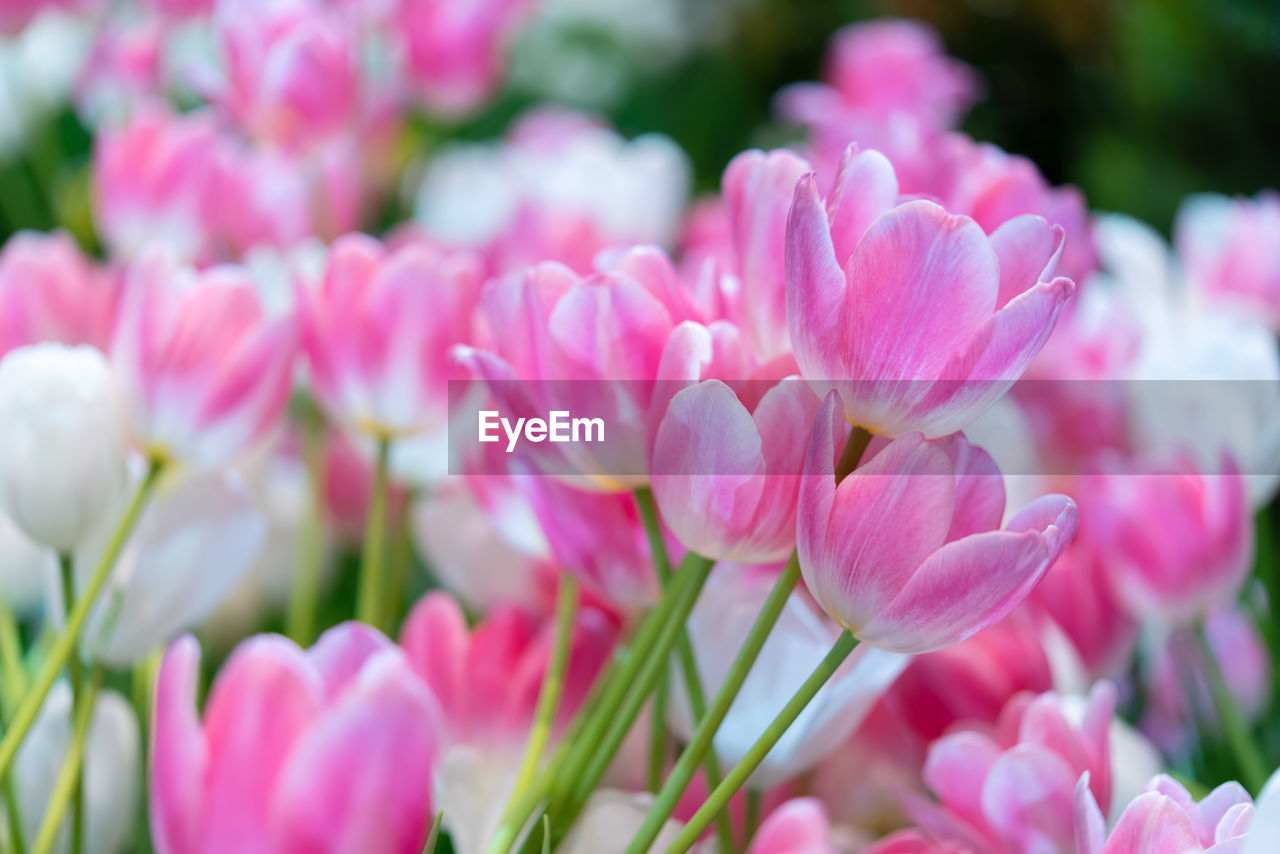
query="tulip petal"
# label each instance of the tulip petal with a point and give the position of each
(263, 698)
(341, 652)
(968, 584)
(799, 826)
(1027, 797)
(956, 766)
(815, 286)
(865, 188)
(1029, 249)
(1153, 822)
(179, 754)
(360, 779)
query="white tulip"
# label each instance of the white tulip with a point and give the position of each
(62, 441)
(112, 767)
(801, 638)
(25, 568)
(195, 542)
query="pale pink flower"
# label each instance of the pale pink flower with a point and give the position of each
(378, 331)
(339, 757)
(50, 291)
(919, 319)
(204, 371)
(1015, 790)
(1166, 819)
(1230, 248)
(455, 52)
(152, 181)
(908, 552)
(291, 70)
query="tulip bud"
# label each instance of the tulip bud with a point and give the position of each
(63, 441)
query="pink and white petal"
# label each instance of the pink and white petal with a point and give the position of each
(435, 639)
(1153, 822)
(360, 779)
(178, 753)
(955, 770)
(815, 288)
(865, 187)
(707, 469)
(959, 590)
(340, 653)
(860, 542)
(991, 360)
(1264, 830)
(800, 826)
(921, 282)
(1091, 827)
(1029, 249)
(1028, 798)
(979, 489)
(266, 695)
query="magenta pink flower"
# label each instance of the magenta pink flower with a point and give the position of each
(1015, 790)
(972, 681)
(487, 678)
(152, 181)
(49, 291)
(907, 552)
(320, 750)
(378, 331)
(455, 53)
(292, 71)
(1165, 819)
(919, 319)
(1231, 250)
(203, 370)
(1175, 541)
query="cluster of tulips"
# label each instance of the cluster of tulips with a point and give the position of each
(919, 519)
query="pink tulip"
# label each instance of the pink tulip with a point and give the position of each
(914, 842)
(329, 749)
(205, 373)
(907, 552)
(591, 347)
(972, 681)
(1167, 820)
(1175, 541)
(758, 189)
(727, 457)
(51, 292)
(918, 318)
(599, 538)
(455, 54)
(124, 69)
(292, 70)
(152, 181)
(1016, 791)
(887, 84)
(487, 678)
(378, 332)
(799, 826)
(1231, 250)
(1077, 595)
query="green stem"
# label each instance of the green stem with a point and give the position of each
(736, 777)
(373, 561)
(689, 667)
(65, 786)
(144, 679)
(854, 447)
(13, 679)
(751, 822)
(300, 621)
(66, 642)
(703, 737)
(67, 572)
(433, 835)
(1234, 726)
(14, 812)
(552, 683)
(598, 760)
